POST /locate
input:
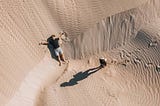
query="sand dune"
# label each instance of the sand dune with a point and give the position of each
(119, 84)
(126, 32)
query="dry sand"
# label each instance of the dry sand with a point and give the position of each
(126, 32)
(125, 83)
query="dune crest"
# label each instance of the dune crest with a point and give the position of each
(126, 32)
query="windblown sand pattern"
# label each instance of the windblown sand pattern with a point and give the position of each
(126, 32)
(125, 83)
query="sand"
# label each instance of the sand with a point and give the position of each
(125, 32)
(132, 83)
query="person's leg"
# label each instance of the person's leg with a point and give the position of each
(59, 60)
(61, 55)
(58, 56)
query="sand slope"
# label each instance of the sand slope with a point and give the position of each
(94, 27)
(134, 82)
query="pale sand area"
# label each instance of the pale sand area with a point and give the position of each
(44, 74)
(29, 76)
(134, 82)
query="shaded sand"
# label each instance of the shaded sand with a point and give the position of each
(123, 83)
(126, 32)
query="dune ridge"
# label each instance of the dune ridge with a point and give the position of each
(94, 27)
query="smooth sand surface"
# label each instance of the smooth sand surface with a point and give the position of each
(126, 32)
(45, 73)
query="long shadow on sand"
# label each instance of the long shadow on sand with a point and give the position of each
(80, 76)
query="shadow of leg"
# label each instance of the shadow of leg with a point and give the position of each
(80, 76)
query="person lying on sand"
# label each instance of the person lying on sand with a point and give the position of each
(56, 45)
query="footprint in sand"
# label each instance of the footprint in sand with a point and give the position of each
(153, 44)
(148, 65)
(158, 68)
(137, 60)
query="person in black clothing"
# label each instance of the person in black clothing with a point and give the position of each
(103, 62)
(57, 49)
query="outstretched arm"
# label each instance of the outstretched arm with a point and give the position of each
(60, 36)
(43, 43)
(63, 36)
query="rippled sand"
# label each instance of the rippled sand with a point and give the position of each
(126, 32)
(132, 80)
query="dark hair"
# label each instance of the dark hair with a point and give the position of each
(53, 35)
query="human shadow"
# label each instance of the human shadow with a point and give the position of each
(80, 76)
(51, 49)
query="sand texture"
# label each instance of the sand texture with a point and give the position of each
(126, 32)
(132, 80)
